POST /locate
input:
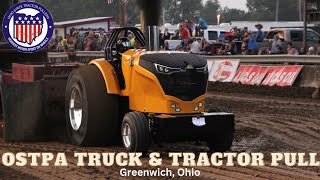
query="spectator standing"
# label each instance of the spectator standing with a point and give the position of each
(193, 28)
(244, 45)
(60, 47)
(232, 49)
(166, 45)
(185, 36)
(166, 34)
(176, 35)
(181, 23)
(104, 40)
(291, 50)
(253, 48)
(200, 25)
(310, 51)
(71, 49)
(89, 42)
(236, 33)
(302, 51)
(132, 41)
(79, 43)
(64, 44)
(84, 41)
(245, 30)
(318, 51)
(161, 40)
(260, 35)
(97, 43)
(276, 45)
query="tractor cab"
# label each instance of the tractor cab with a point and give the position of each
(119, 39)
(119, 42)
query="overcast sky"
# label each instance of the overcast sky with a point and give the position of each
(239, 4)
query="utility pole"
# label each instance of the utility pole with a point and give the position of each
(277, 11)
(163, 15)
(305, 23)
(300, 10)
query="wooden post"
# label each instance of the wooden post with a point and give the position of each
(122, 13)
(142, 21)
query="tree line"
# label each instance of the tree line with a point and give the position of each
(174, 10)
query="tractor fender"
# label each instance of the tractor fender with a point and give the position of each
(109, 75)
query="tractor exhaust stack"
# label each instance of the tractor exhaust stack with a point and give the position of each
(152, 38)
(151, 11)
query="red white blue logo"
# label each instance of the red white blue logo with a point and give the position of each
(28, 27)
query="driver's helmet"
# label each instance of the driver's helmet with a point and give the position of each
(123, 45)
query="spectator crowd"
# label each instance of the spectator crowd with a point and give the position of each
(237, 41)
(79, 41)
(190, 36)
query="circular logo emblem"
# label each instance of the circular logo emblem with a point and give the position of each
(28, 27)
(224, 71)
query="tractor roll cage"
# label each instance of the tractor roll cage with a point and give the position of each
(114, 38)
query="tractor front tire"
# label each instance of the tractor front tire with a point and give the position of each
(92, 115)
(220, 142)
(135, 132)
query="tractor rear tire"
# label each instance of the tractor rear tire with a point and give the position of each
(220, 142)
(135, 132)
(92, 115)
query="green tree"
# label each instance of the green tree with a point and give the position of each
(210, 10)
(228, 15)
(175, 8)
(265, 10)
(63, 10)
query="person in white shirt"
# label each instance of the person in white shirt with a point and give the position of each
(311, 51)
(276, 45)
(196, 46)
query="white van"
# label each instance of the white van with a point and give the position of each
(211, 35)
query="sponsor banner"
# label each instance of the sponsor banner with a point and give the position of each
(251, 75)
(210, 63)
(223, 70)
(281, 75)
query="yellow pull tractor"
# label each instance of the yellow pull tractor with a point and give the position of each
(136, 95)
(148, 96)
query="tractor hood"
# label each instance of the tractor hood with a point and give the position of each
(181, 75)
(174, 60)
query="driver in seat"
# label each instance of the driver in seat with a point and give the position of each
(123, 45)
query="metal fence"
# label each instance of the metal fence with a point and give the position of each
(86, 56)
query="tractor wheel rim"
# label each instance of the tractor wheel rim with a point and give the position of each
(126, 135)
(75, 109)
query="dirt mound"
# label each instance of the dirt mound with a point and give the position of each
(292, 92)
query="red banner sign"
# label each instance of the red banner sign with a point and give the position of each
(251, 75)
(268, 76)
(281, 75)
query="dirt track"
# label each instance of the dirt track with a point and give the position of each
(263, 124)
